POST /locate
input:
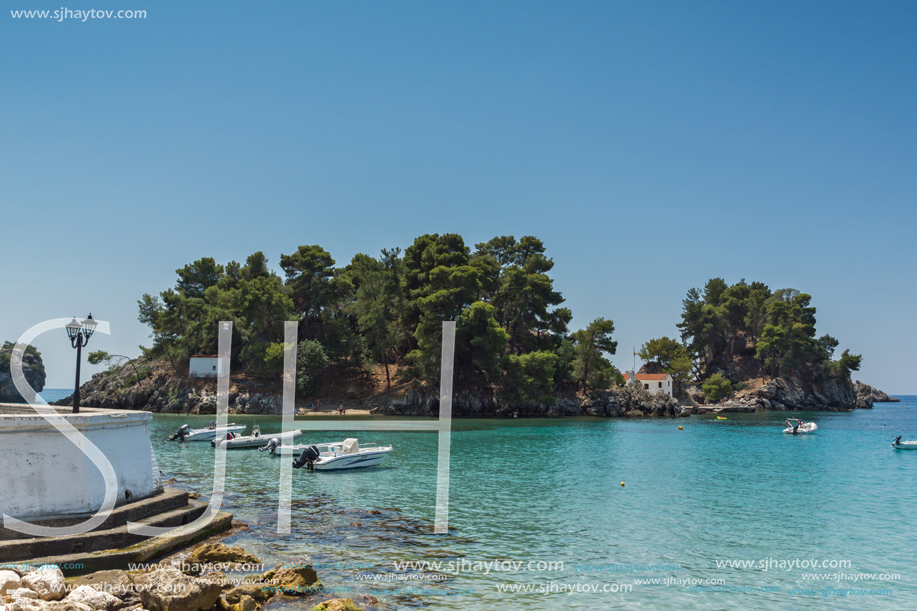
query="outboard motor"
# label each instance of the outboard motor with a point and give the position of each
(271, 446)
(182, 432)
(307, 458)
(897, 441)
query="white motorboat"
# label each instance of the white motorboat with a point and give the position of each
(794, 426)
(184, 433)
(256, 440)
(904, 445)
(347, 454)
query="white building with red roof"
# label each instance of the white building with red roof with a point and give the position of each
(653, 382)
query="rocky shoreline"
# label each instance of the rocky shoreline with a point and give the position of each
(198, 582)
(164, 392)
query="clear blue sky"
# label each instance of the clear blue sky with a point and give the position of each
(651, 146)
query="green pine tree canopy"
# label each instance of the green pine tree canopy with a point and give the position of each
(512, 331)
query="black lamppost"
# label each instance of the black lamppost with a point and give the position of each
(79, 334)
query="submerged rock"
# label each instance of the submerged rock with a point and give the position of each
(337, 604)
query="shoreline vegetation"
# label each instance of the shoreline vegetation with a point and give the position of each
(370, 332)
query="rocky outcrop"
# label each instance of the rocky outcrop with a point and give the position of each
(292, 580)
(32, 367)
(169, 589)
(627, 401)
(217, 553)
(161, 390)
(794, 393)
(866, 395)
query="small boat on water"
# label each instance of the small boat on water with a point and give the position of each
(794, 426)
(904, 445)
(185, 433)
(231, 441)
(347, 454)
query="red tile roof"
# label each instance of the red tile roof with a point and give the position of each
(648, 376)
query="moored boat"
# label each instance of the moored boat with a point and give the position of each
(347, 454)
(256, 440)
(185, 433)
(904, 445)
(794, 426)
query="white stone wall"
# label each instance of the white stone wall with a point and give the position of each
(43, 474)
(654, 384)
(204, 367)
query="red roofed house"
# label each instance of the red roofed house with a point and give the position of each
(653, 382)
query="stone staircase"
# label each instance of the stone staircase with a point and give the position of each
(111, 545)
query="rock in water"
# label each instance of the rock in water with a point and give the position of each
(170, 590)
(47, 582)
(338, 604)
(32, 367)
(247, 589)
(218, 553)
(867, 395)
(293, 581)
(246, 603)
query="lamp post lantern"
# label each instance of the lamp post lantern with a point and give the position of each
(79, 334)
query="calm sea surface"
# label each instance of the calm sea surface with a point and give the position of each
(50, 395)
(549, 491)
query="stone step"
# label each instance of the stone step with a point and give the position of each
(167, 500)
(95, 541)
(145, 552)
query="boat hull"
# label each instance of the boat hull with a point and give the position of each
(906, 445)
(808, 427)
(210, 435)
(352, 461)
(255, 442)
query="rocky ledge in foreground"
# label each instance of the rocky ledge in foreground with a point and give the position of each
(166, 588)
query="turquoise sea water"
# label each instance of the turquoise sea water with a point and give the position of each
(50, 395)
(549, 491)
